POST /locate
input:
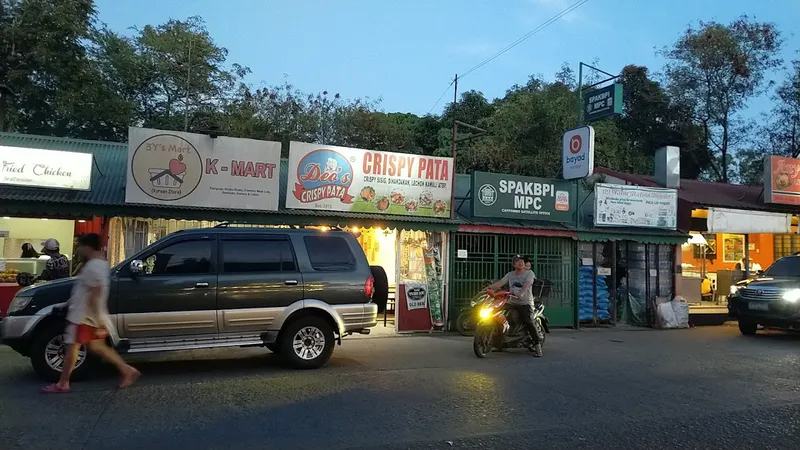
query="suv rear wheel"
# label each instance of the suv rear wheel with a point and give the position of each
(307, 343)
(47, 354)
(747, 327)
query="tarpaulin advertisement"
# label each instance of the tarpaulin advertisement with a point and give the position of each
(781, 180)
(356, 180)
(189, 169)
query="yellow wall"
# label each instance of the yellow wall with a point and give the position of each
(35, 231)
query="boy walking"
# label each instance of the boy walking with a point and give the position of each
(87, 317)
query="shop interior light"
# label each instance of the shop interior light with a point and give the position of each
(81, 221)
(354, 229)
(6, 218)
(324, 228)
(45, 219)
(697, 239)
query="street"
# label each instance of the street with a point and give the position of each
(701, 388)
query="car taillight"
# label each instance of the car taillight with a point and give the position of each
(369, 286)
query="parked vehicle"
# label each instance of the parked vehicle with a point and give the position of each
(469, 315)
(499, 327)
(771, 299)
(295, 291)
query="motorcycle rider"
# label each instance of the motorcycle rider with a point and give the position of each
(520, 282)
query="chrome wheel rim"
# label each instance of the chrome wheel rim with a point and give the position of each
(54, 353)
(308, 343)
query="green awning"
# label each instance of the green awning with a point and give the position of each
(650, 237)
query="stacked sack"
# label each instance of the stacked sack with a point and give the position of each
(586, 293)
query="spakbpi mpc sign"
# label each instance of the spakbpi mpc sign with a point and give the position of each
(578, 153)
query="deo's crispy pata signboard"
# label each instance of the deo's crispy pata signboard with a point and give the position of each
(366, 181)
(781, 180)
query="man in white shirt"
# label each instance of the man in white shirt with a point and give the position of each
(87, 317)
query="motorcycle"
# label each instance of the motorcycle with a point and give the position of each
(499, 327)
(469, 315)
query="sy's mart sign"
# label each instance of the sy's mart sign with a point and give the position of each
(525, 198)
(356, 180)
(31, 167)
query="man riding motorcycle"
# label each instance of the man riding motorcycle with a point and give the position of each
(520, 282)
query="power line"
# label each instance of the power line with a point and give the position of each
(539, 28)
(441, 96)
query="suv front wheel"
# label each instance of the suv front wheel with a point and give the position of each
(47, 354)
(747, 327)
(307, 343)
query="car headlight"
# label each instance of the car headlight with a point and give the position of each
(733, 289)
(18, 303)
(792, 296)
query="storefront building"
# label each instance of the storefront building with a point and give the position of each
(500, 216)
(734, 232)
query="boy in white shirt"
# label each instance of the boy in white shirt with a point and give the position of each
(87, 317)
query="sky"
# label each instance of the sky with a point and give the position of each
(406, 53)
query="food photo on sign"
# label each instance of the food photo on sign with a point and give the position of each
(357, 180)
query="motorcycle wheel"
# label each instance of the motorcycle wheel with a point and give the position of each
(482, 342)
(463, 323)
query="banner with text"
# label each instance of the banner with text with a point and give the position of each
(31, 167)
(187, 169)
(619, 205)
(366, 181)
(525, 198)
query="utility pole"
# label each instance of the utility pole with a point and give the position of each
(188, 84)
(455, 126)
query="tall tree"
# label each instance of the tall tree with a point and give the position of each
(718, 69)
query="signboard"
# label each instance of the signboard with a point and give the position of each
(525, 198)
(578, 153)
(355, 180)
(603, 102)
(635, 206)
(724, 220)
(187, 169)
(781, 180)
(416, 295)
(32, 167)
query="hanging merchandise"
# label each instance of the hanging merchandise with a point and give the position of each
(586, 300)
(433, 271)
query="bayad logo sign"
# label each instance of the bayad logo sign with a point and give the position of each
(323, 174)
(166, 167)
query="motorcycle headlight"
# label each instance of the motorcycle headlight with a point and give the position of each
(19, 303)
(792, 296)
(485, 313)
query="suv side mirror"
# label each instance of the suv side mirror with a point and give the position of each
(759, 273)
(136, 267)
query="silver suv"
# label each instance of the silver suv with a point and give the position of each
(294, 291)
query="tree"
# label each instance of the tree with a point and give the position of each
(718, 69)
(651, 119)
(782, 132)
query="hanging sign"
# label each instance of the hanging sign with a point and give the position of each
(188, 169)
(525, 198)
(416, 295)
(635, 206)
(31, 167)
(602, 102)
(781, 180)
(355, 180)
(577, 153)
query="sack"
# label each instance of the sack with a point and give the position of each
(681, 310)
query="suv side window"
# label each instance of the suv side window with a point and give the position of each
(181, 258)
(330, 253)
(257, 255)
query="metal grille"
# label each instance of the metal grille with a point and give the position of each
(785, 244)
(489, 258)
(761, 294)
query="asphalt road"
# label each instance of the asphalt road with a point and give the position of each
(695, 389)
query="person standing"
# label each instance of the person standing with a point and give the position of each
(57, 266)
(28, 251)
(87, 317)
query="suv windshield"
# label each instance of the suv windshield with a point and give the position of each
(788, 266)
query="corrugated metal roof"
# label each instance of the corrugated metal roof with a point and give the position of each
(705, 193)
(108, 173)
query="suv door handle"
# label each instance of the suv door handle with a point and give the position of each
(201, 285)
(290, 282)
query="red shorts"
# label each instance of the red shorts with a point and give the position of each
(83, 334)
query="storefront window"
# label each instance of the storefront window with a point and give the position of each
(786, 244)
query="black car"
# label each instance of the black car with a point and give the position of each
(771, 300)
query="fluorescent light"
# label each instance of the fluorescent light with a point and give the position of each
(697, 239)
(45, 219)
(6, 217)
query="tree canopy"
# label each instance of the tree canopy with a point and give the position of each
(64, 73)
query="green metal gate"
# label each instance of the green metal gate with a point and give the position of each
(489, 258)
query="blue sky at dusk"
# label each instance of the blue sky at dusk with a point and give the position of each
(406, 52)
